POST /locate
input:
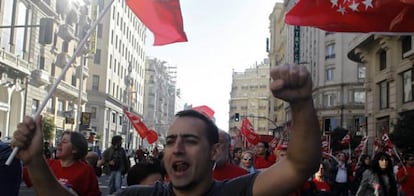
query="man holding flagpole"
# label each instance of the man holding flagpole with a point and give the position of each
(192, 145)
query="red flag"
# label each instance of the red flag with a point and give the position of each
(346, 139)
(273, 143)
(152, 136)
(207, 111)
(162, 17)
(248, 131)
(354, 16)
(137, 123)
(387, 141)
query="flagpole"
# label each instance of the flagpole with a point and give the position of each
(63, 73)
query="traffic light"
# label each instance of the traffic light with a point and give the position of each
(327, 126)
(237, 117)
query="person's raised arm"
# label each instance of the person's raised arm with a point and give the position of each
(29, 138)
(293, 84)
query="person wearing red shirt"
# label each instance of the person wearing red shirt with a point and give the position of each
(223, 169)
(263, 158)
(405, 176)
(70, 169)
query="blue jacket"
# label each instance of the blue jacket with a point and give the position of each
(10, 176)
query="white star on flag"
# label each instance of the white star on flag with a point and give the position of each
(346, 6)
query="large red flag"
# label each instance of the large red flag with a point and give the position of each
(152, 136)
(248, 132)
(137, 123)
(354, 15)
(162, 17)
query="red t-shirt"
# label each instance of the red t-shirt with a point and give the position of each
(407, 186)
(261, 162)
(228, 171)
(321, 186)
(80, 176)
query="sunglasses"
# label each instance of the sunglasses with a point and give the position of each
(247, 159)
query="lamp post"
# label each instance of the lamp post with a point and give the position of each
(128, 84)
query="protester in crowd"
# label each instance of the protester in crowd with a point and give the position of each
(146, 173)
(247, 161)
(321, 186)
(379, 180)
(115, 158)
(191, 148)
(69, 167)
(263, 158)
(224, 170)
(155, 153)
(139, 155)
(364, 164)
(46, 150)
(92, 159)
(10, 175)
(340, 173)
(236, 155)
(405, 175)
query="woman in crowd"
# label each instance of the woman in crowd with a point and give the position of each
(380, 179)
(246, 161)
(364, 164)
(69, 168)
(263, 158)
(236, 156)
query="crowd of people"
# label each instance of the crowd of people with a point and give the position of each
(198, 159)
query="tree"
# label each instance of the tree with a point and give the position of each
(403, 134)
(48, 127)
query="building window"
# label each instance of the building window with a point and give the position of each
(382, 60)
(99, 33)
(20, 32)
(73, 80)
(95, 82)
(406, 44)
(407, 78)
(120, 120)
(93, 112)
(60, 108)
(359, 97)
(329, 100)
(383, 87)
(113, 117)
(329, 74)
(35, 106)
(330, 51)
(361, 71)
(97, 57)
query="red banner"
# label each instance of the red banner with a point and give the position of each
(162, 17)
(346, 140)
(152, 136)
(354, 16)
(248, 132)
(137, 123)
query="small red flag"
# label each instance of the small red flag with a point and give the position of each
(137, 123)
(346, 139)
(354, 16)
(162, 17)
(248, 132)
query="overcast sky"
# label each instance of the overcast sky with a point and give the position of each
(222, 35)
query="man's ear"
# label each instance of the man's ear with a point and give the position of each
(214, 152)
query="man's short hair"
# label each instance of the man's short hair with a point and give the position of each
(117, 139)
(211, 128)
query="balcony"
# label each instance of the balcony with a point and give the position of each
(40, 77)
(69, 92)
(85, 72)
(14, 61)
(62, 59)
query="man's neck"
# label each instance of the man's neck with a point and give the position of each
(200, 189)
